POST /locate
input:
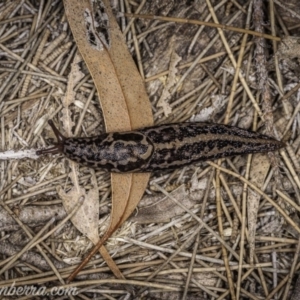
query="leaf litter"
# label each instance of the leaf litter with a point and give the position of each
(275, 250)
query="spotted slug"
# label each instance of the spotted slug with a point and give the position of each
(160, 147)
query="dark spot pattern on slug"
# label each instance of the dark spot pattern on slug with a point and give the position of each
(219, 130)
(222, 144)
(116, 152)
(207, 150)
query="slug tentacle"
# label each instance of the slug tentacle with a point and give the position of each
(60, 138)
(161, 147)
(59, 146)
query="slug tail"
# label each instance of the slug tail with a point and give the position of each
(58, 147)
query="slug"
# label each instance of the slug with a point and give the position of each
(160, 147)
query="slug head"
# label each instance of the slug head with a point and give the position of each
(58, 147)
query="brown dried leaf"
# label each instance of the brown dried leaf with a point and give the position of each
(121, 90)
(86, 220)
